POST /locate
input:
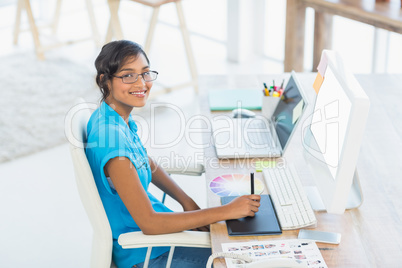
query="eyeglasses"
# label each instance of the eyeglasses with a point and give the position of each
(132, 78)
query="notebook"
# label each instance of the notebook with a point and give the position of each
(230, 99)
(260, 136)
(264, 222)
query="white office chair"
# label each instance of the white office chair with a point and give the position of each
(102, 244)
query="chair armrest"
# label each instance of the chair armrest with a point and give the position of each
(193, 169)
(181, 239)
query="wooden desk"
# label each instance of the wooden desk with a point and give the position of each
(385, 15)
(371, 234)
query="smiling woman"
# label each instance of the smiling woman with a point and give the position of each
(128, 91)
(123, 170)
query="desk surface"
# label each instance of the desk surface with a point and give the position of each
(371, 234)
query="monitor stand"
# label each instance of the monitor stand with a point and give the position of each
(354, 201)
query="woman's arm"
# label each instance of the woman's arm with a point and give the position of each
(127, 183)
(164, 182)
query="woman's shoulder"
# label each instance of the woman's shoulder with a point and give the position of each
(100, 120)
(102, 127)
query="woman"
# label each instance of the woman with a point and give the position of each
(123, 170)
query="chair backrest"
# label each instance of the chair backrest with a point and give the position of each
(76, 131)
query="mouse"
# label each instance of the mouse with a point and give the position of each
(242, 113)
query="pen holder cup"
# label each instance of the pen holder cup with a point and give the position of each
(269, 104)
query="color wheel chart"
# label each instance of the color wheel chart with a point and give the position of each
(235, 185)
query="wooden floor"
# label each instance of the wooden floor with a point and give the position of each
(371, 234)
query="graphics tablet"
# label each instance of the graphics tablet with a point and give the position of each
(264, 222)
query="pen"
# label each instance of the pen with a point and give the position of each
(252, 182)
(266, 92)
(274, 88)
(283, 81)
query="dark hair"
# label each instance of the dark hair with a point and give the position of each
(111, 58)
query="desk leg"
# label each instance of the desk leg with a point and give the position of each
(187, 45)
(34, 31)
(322, 36)
(151, 29)
(294, 40)
(114, 28)
(94, 27)
(56, 17)
(20, 5)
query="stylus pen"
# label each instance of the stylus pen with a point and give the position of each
(252, 182)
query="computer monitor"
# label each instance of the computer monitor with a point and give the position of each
(332, 135)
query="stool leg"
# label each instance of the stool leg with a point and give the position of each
(56, 17)
(187, 45)
(151, 29)
(91, 14)
(109, 33)
(114, 28)
(34, 31)
(17, 24)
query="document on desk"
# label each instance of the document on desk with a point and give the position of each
(264, 222)
(302, 251)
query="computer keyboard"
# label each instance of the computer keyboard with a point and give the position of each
(258, 135)
(258, 139)
(289, 198)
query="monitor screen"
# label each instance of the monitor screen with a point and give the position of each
(330, 119)
(332, 137)
(288, 111)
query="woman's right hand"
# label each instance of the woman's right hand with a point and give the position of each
(243, 206)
